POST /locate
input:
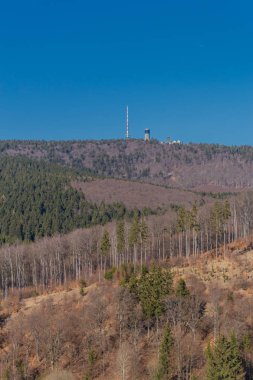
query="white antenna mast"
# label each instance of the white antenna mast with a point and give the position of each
(127, 126)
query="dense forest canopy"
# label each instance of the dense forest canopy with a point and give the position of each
(36, 200)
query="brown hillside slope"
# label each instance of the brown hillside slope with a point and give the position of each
(135, 194)
(80, 324)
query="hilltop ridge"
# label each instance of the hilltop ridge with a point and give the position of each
(206, 167)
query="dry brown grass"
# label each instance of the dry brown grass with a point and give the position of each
(134, 194)
(59, 375)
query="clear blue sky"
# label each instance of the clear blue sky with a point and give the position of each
(68, 68)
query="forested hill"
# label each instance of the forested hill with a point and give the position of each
(36, 199)
(198, 166)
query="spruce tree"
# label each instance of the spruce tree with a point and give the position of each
(182, 290)
(194, 217)
(164, 365)
(105, 244)
(226, 210)
(181, 219)
(134, 231)
(152, 289)
(120, 233)
(224, 361)
(134, 236)
(216, 222)
(143, 228)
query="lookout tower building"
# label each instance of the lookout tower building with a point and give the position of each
(147, 135)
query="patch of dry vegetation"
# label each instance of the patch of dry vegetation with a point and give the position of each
(59, 375)
(134, 194)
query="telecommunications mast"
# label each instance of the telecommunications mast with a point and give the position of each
(127, 126)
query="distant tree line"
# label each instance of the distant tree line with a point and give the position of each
(200, 164)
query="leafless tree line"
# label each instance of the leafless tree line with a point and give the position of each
(55, 261)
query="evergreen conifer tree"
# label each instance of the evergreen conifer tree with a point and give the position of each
(164, 365)
(105, 244)
(224, 361)
(182, 290)
(153, 287)
(120, 233)
(134, 231)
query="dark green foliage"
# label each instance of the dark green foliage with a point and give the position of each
(151, 289)
(164, 365)
(187, 219)
(246, 344)
(144, 232)
(109, 274)
(182, 290)
(105, 244)
(220, 214)
(7, 374)
(144, 270)
(224, 360)
(36, 200)
(134, 233)
(138, 233)
(92, 358)
(20, 369)
(120, 233)
(82, 287)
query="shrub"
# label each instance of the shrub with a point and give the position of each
(109, 274)
(82, 287)
(83, 283)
